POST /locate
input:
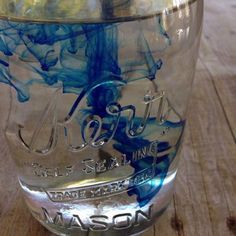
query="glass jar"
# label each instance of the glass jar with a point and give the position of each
(93, 102)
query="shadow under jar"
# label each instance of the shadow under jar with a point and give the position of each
(93, 101)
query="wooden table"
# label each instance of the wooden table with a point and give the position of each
(204, 202)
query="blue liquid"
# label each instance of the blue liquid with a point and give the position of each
(87, 62)
(54, 46)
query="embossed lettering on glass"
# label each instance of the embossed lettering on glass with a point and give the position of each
(93, 103)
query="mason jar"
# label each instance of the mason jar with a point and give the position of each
(93, 107)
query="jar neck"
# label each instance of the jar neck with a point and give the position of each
(86, 10)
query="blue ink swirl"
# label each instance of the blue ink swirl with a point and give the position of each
(77, 57)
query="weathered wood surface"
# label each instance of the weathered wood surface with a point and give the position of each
(204, 202)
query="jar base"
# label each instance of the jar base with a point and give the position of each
(131, 231)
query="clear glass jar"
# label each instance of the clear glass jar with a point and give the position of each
(94, 96)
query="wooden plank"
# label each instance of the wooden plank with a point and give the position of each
(218, 53)
(216, 150)
(220, 30)
(166, 225)
(149, 232)
(205, 191)
(8, 179)
(224, 81)
(18, 221)
(190, 195)
(200, 217)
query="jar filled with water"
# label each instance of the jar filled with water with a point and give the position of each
(94, 96)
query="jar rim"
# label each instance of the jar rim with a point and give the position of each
(87, 11)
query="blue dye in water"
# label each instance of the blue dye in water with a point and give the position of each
(52, 48)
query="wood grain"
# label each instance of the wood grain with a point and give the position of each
(204, 203)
